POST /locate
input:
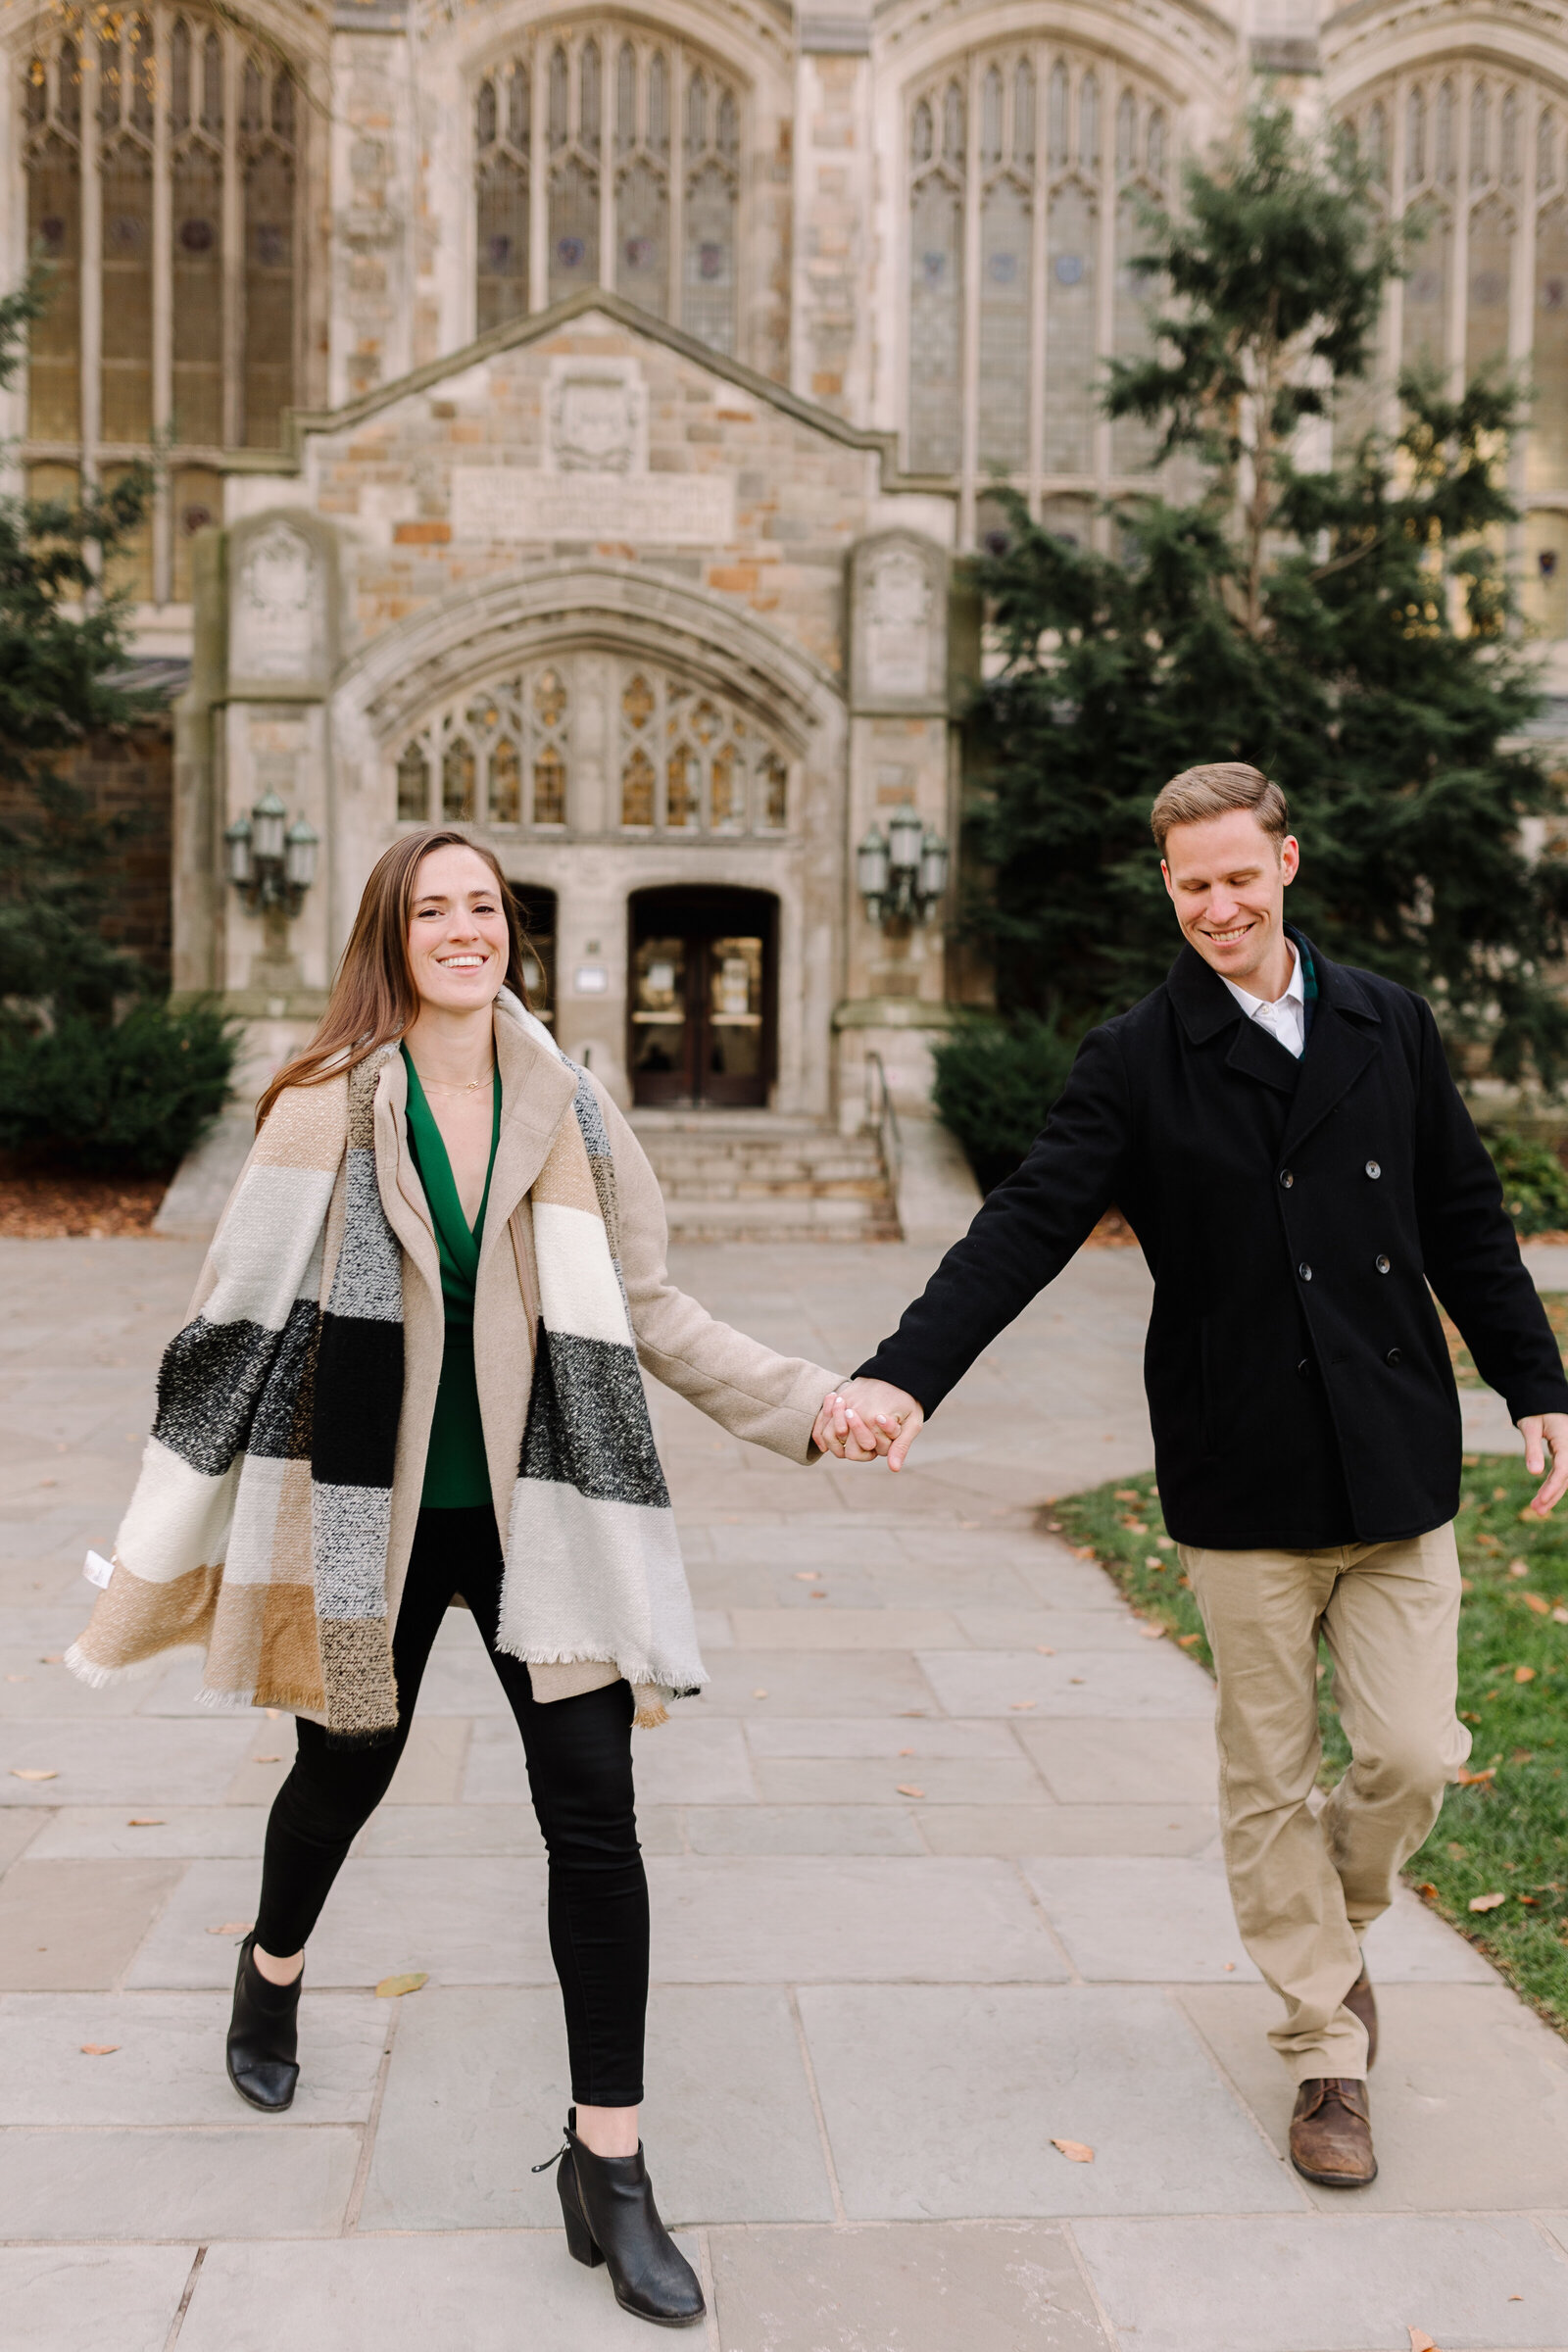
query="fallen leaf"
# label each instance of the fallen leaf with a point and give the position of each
(818, 1592)
(1559, 1616)
(1154, 1560)
(908, 1788)
(1166, 1543)
(1021, 1706)
(759, 1694)
(1518, 1567)
(392, 1989)
(1124, 1495)
(1153, 1632)
(1073, 1677)
(1230, 1968)
(233, 1927)
(1420, 2341)
(905, 1751)
(1486, 1902)
(99, 2050)
(1468, 1780)
(1187, 1641)
(272, 1713)
(267, 1759)
(1532, 1902)
(807, 1576)
(32, 1772)
(1530, 1516)
(1427, 1891)
(1074, 2151)
(1523, 1674)
(18, 1678)
(1539, 1603)
(145, 1821)
(56, 1657)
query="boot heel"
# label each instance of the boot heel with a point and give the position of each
(579, 2237)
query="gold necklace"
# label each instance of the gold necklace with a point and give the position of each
(454, 1086)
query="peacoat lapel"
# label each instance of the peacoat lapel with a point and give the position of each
(1205, 1007)
(1342, 1042)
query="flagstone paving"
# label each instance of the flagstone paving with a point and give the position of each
(935, 1883)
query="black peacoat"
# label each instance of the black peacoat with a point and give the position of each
(1293, 1214)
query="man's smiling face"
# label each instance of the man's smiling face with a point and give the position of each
(1227, 880)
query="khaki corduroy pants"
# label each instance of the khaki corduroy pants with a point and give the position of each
(1306, 1888)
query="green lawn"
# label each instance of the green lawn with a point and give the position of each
(1505, 1834)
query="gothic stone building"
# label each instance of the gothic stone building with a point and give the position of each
(570, 420)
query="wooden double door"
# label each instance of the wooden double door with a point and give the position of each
(703, 997)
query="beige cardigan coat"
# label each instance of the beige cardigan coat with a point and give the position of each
(748, 1388)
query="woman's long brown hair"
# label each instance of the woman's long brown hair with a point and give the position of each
(373, 998)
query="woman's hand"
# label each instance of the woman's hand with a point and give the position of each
(868, 1417)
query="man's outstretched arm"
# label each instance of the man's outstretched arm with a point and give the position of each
(1020, 1239)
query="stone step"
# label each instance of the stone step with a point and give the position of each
(755, 1175)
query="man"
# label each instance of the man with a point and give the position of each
(1283, 1136)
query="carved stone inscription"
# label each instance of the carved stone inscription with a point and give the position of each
(507, 503)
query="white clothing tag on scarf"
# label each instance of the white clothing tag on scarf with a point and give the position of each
(96, 1569)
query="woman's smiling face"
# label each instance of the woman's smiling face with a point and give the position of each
(457, 939)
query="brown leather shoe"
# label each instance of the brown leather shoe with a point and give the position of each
(1331, 2133)
(1362, 2005)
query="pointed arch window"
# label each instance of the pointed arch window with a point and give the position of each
(638, 147)
(1056, 162)
(188, 174)
(684, 759)
(1480, 177)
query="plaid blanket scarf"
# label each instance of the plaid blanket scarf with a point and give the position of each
(261, 1519)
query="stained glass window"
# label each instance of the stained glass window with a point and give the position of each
(171, 172)
(1481, 155)
(664, 123)
(1064, 152)
(684, 760)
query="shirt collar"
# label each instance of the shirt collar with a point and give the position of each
(1295, 992)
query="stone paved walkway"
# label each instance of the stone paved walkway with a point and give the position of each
(935, 1883)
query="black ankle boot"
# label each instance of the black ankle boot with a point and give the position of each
(263, 2036)
(607, 2205)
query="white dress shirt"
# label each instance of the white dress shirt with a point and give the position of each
(1284, 1019)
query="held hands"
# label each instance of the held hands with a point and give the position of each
(1539, 1430)
(868, 1417)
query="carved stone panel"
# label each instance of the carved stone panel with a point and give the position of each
(280, 605)
(898, 623)
(596, 417)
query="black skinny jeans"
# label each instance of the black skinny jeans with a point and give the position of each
(579, 1770)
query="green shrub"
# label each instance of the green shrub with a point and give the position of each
(1534, 1183)
(994, 1083)
(129, 1099)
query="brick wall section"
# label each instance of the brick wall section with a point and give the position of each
(800, 498)
(128, 776)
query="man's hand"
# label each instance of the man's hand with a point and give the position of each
(868, 1417)
(1539, 1430)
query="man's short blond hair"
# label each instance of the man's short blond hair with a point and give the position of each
(1203, 792)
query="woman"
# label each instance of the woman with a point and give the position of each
(411, 1378)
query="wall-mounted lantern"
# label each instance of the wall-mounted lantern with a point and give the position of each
(271, 863)
(903, 876)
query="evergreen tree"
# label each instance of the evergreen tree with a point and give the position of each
(1350, 632)
(61, 641)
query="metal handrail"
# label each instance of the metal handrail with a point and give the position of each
(881, 1116)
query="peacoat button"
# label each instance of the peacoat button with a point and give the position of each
(1304, 1370)
(1305, 1271)
(1395, 1355)
(1383, 1265)
(1285, 1178)
(1373, 1169)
